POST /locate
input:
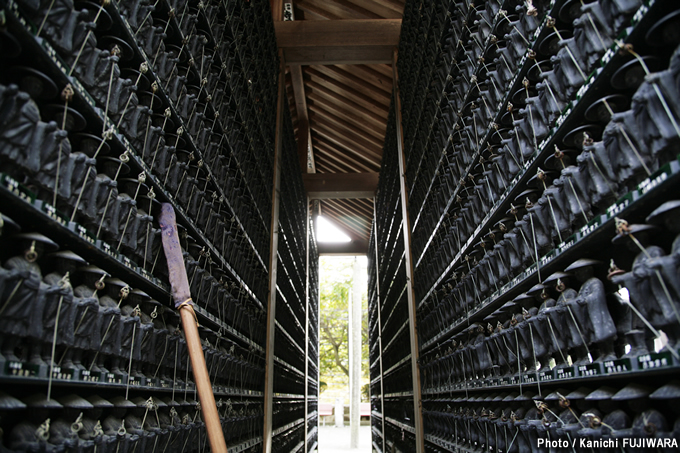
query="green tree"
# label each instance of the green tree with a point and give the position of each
(335, 291)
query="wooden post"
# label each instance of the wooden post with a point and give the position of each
(380, 363)
(308, 224)
(355, 356)
(274, 244)
(408, 261)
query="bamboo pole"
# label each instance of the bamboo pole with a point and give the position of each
(181, 295)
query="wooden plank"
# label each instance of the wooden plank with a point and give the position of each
(322, 105)
(267, 432)
(343, 206)
(337, 33)
(305, 150)
(348, 121)
(349, 217)
(347, 92)
(360, 207)
(340, 185)
(345, 151)
(354, 135)
(360, 85)
(408, 259)
(318, 90)
(384, 69)
(342, 248)
(379, 9)
(380, 348)
(326, 166)
(397, 5)
(327, 163)
(329, 150)
(344, 9)
(347, 128)
(313, 12)
(367, 149)
(371, 156)
(369, 74)
(340, 221)
(337, 55)
(277, 9)
(307, 234)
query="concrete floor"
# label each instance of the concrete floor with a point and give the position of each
(336, 440)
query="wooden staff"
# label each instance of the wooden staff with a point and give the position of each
(182, 298)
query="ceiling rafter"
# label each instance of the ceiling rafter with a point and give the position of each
(372, 151)
(347, 120)
(340, 9)
(304, 136)
(332, 212)
(323, 164)
(340, 91)
(319, 92)
(343, 125)
(329, 149)
(341, 206)
(341, 218)
(361, 86)
(345, 91)
(354, 144)
(370, 74)
(314, 12)
(380, 9)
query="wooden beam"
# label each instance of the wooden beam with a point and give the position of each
(318, 90)
(393, 4)
(320, 104)
(308, 225)
(340, 185)
(376, 259)
(344, 127)
(352, 121)
(348, 219)
(277, 10)
(356, 83)
(314, 12)
(371, 75)
(316, 78)
(332, 153)
(342, 248)
(372, 156)
(408, 262)
(305, 151)
(344, 9)
(360, 207)
(324, 166)
(335, 165)
(335, 218)
(339, 34)
(338, 55)
(267, 431)
(381, 10)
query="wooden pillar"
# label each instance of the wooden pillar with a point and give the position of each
(354, 338)
(274, 243)
(308, 225)
(277, 9)
(408, 261)
(380, 363)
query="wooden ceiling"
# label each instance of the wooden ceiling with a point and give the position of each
(339, 96)
(348, 9)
